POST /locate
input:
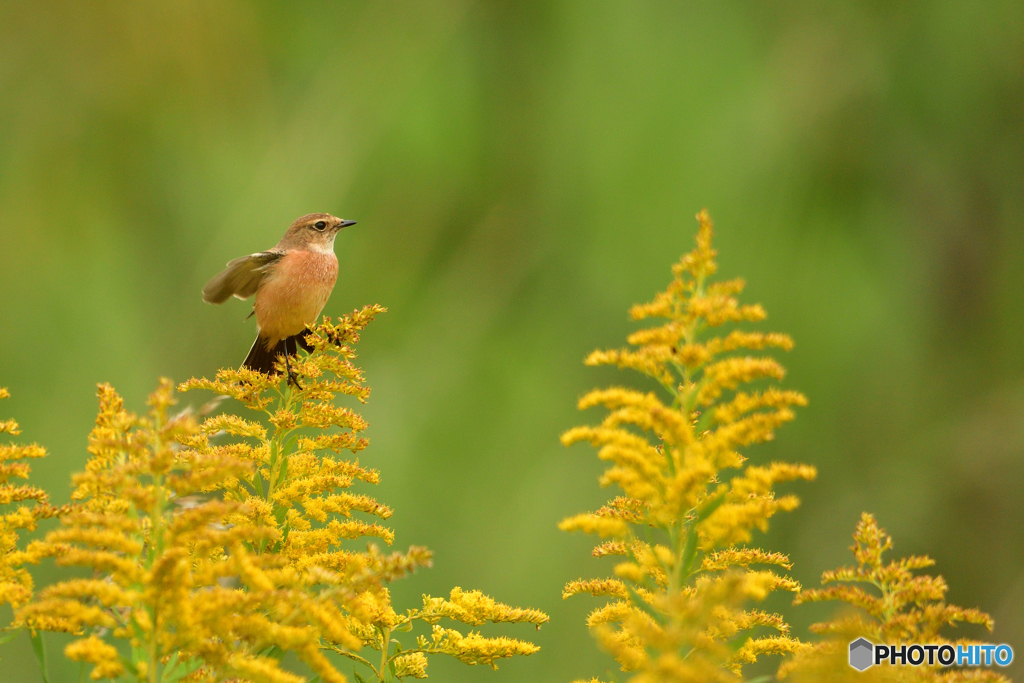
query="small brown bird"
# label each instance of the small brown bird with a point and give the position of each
(292, 281)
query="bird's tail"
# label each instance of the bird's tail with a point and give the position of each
(262, 359)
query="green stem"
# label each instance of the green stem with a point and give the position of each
(384, 649)
(886, 599)
(276, 443)
(354, 657)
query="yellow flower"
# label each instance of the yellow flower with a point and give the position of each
(596, 587)
(169, 574)
(474, 648)
(215, 544)
(891, 605)
(411, 666)
(475, 608)
(21, 508)
(687, 507)
(300, 489)
(104, 658)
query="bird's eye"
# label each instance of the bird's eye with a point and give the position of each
(320, 225)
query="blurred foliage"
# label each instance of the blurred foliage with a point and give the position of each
(522, 172)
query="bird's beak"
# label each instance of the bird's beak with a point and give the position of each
(345, 224)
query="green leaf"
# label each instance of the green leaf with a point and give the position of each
(39, 648)
(280, 513)
(641, 604)
(276, 653)
(761, 679)
(359, 679)
(169, 668)
(182, 668)
(139, 654)
(710, 507)
(690, 550)
(257, 482)
(704, 422)
(248, 487)
(9, 636)
(282, 473)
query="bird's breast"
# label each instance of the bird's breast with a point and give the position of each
(294, 293)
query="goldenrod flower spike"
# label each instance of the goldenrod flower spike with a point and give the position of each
(300, 487)
(21, 508)
(171, 577)
(216, 544)
(684, 574)
(888, 604)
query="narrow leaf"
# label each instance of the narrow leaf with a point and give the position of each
(710, 507)
(283, 472)
(39, 648)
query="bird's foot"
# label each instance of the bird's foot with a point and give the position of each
(292, 377)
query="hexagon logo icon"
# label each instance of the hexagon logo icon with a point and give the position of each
(862, 654)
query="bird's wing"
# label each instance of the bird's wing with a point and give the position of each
(241, 277)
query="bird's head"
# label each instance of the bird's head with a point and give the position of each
(314, 231)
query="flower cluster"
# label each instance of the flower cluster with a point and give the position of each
(215, 544)
(888, 604)
(677, 603)
(21, 508)
(169, 573)
(300, 484)
(468, 607)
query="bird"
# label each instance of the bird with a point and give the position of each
(292, 282)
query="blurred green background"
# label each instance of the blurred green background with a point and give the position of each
(521, 173)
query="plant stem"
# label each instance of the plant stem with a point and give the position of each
(385, 646)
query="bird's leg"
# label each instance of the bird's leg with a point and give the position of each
(292, 377)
